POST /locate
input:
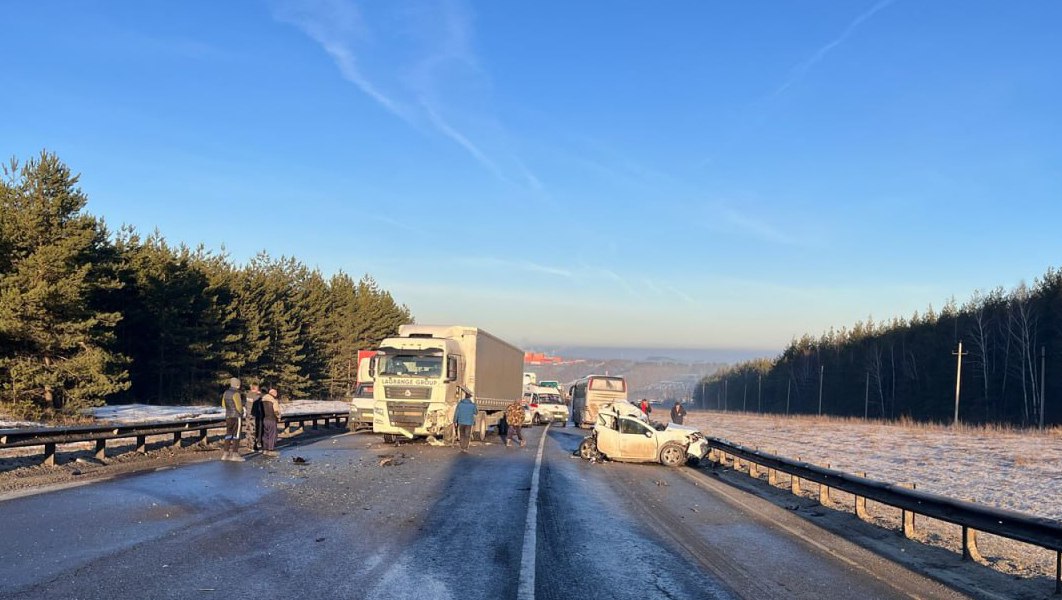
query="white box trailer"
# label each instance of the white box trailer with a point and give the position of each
(421, 373)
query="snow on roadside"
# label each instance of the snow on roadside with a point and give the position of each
(143, 413)
(128, 414)
(1016, 470)
(1010, 469)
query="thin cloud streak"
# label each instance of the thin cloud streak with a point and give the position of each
(800, 71)
(756, 227)
(337, 26)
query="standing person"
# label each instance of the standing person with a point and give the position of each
(270, 416)
(514, 417)
(465, 417)
(232, 400)
(645, 406)
(253, 409)
(678, 413)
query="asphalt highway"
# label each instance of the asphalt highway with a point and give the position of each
(363, 519)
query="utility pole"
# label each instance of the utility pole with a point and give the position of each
(958, 379)
(759, 395)
(866, 398)
(704, 401)
(788, 387)
(745, 394)
(1043, 367)
(726, 394)
(822, 371)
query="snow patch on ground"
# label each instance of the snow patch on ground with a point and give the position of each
(1011, 469)
(1016, 470)
(128, 414)
(142, 413)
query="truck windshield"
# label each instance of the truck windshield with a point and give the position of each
(418, 365)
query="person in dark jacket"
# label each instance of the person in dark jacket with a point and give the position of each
(465, 417)
(232, 402)
(270, 416)
(253, 408)
(678, 413)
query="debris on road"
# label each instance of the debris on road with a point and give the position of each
(299, 460)
(391, 460)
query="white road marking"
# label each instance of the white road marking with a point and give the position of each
(526, 589)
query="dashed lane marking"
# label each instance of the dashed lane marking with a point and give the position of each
(526, 588)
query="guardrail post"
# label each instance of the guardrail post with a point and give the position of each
(101, 449)
(754, 470)
(49, 454)
(315, 424)
(772, 474)
(176, 438)
(141, 444)
(861, 503)
(737, 463)
(1058, 573)
(969, 545)
(202, 437)
(824, 492)
(907, 518)
(794, 482)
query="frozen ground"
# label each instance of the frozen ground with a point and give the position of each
(1016, 470)
(142, 413)
(139, 413)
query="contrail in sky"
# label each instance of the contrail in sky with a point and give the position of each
(801, 70)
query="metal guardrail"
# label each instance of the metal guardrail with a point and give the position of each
(52, 437)
(972, 517)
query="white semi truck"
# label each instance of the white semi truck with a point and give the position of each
(420, 375)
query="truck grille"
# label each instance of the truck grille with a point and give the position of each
(404, 414)
(407, 393)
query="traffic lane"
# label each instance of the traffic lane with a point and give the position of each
(595, 543)
(435, 522)
(48, 534)
(760, 550)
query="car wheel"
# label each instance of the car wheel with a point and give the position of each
(588, 449)
(672, 455)
(390, 438)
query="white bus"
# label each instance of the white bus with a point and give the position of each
(593, 391)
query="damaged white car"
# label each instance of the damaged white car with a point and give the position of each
(623, 433)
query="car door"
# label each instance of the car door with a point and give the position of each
(608, 442)
(637, 440)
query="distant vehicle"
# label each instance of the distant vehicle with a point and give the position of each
(421, 373)
(592, 392)
(530, 378)
(622, 432)
(361, 405)
(545, 404)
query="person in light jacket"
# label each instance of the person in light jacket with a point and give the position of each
(465, 417)
(270, 415)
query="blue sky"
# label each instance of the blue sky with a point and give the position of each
(685, 174)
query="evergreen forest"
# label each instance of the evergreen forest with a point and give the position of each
(89, 316)
(1010, 370)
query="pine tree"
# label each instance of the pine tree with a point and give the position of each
(55, 343)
